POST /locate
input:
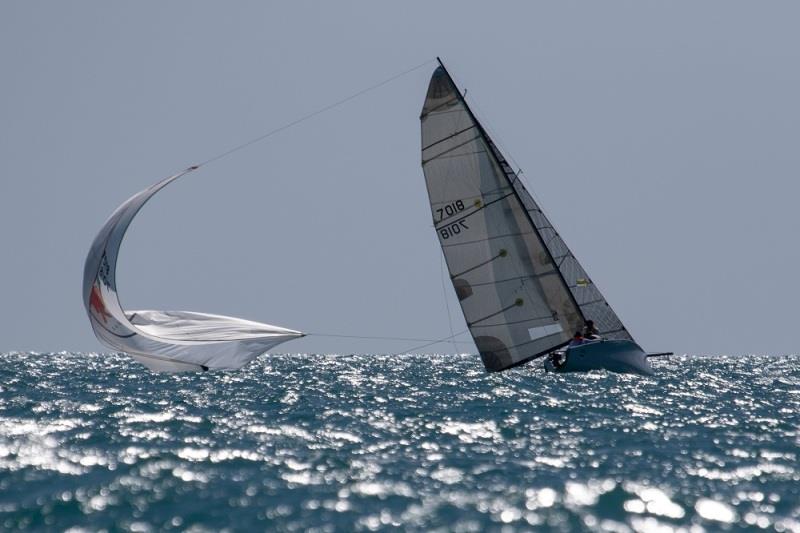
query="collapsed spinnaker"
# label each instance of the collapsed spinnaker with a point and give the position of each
(522, 292)
(165, 341)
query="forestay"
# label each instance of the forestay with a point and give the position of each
(521, 290)
(170, 341)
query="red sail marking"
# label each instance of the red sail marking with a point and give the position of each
(96, 303)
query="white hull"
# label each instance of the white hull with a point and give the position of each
(622, 356)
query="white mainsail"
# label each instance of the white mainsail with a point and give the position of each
(166, 341)
(522, 292)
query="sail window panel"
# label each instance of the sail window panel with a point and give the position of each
(539, 332)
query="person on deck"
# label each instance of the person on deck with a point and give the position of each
(577, 340)
(590, 332)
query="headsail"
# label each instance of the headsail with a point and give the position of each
(522, 291)
(167, 341)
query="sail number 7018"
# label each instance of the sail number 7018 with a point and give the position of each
(449, 210)
(453, 228)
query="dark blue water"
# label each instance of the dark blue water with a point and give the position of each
(417, 442)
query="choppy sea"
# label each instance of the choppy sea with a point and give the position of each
(418, 442)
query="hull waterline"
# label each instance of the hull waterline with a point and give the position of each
(621, 356)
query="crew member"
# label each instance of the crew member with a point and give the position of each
(577, 340)
(590, 332)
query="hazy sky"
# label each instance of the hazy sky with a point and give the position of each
(662, 138)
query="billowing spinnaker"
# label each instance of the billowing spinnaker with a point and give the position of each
(521, 290)
(167, 341)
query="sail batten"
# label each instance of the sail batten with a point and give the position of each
(505, 259)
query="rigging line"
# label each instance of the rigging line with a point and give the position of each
(484, 194)
(313, 114)
(380, 338)
(443, 339)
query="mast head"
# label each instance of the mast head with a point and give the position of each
(442, 91)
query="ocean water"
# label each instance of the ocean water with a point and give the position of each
(418, 442)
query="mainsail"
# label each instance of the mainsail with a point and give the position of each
(522, 292)
(167, 341)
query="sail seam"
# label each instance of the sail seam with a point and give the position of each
(595, 301)
(451, 156)
(500, 190)
(503, 310)
(456, 134)
(456, 147)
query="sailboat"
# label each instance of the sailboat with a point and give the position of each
(165, 341)
(522, 291)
